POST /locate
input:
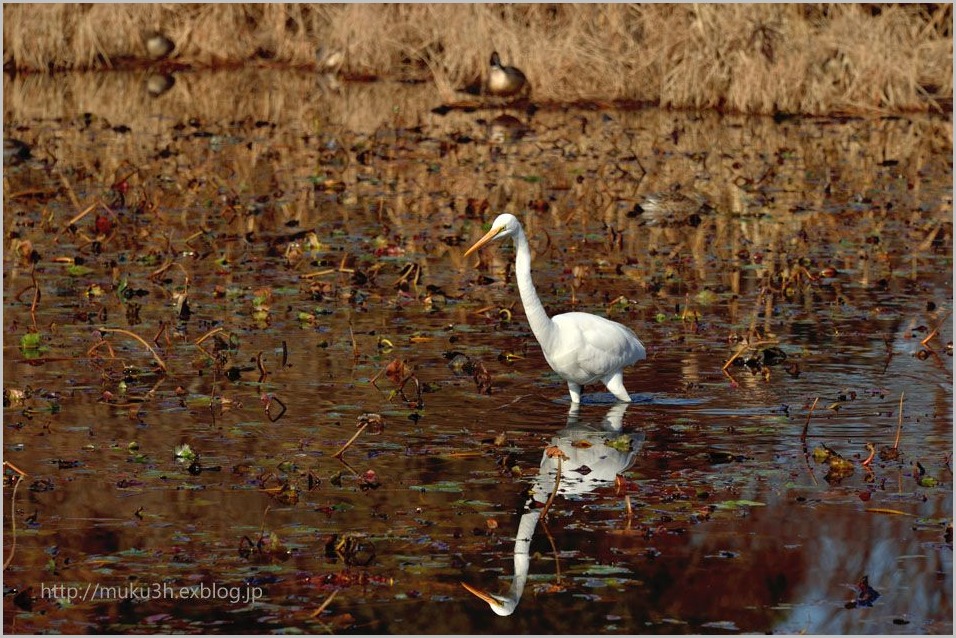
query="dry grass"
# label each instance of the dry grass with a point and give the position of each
(746, 58)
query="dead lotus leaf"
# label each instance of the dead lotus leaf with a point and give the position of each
(553, 451)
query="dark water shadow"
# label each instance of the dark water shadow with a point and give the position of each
(638, 398)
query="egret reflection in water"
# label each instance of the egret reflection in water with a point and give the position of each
(590, 457)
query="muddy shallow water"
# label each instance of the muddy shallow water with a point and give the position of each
(291, 250)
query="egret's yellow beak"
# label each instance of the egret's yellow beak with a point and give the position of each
(485, 596)
(491, 234)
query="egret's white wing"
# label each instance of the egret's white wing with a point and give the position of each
(590, 347)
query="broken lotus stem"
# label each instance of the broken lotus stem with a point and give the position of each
(552, 452)
(350, 441)
(133, 335)
(364, 420)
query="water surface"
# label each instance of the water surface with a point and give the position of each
(315, 232)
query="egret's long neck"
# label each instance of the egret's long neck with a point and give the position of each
(541, 325)
(522, 559)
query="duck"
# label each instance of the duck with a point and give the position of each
(673, 208)
(505, 81)
(158, 46)
(329, 62)
(15, 152)
(159, 83)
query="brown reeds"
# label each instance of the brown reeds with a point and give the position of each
(753, 58)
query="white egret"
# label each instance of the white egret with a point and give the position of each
(604, 463)
(505, 81)
(581, 347)
(505, 605)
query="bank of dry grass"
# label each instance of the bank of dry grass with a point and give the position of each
(747, 58)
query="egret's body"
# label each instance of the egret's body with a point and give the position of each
(582, 348)
(505, 81)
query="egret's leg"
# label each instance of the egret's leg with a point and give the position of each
(575, 390)
(615, 385)
(573, 414)
(614, 419)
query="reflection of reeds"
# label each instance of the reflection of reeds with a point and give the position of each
(775, 189)
(750, 58)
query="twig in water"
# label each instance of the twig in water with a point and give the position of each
(375, 378)
(320, 273)
(869, 459)
(347, 466)
(13, 511)
(76, 204)
(152, 391)
(885, 510)
(554, 550)
(96, 346)
(555, 451)
(159, 271)
(15, 469)
(733, 358)
(899, 428)
(207, 335)
(935, 330)
(743, 347)
(160, 333)
(263, 373)
(806, 426)
(80, 216)
(156, 356)
(322, 607)
(418, 390)
(513, 401)
(355, 350)
(269, 401)
(350, 441)
(36, 298)
(803, 440)
(614, 302)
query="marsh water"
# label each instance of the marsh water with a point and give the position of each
(290, 248)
